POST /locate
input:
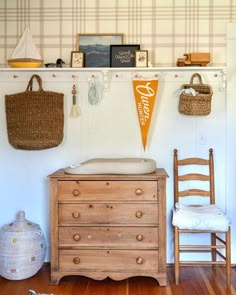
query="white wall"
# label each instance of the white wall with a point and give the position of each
(231, 130)
(110, 129)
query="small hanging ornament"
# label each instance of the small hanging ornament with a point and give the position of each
(75, 112)
(93, 91)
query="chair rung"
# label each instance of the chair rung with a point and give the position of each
(201, 262)
(194, 251)
(202, 251)
(202, 246)
(188, 231)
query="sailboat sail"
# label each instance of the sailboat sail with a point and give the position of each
(26, 48)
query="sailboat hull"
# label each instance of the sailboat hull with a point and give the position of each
(25, 63)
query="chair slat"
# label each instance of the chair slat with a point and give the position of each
(194, 192)
(193, 176)
(193, 161)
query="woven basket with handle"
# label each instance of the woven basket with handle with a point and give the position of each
(35, 119)
(198, 105)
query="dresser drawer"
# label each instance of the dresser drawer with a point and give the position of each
(108, 260)
(107, 190)
(108, 213)
(131, 237)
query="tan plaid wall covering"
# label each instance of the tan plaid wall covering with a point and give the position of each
(167, 28)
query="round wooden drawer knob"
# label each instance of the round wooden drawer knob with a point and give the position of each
(75, 192)
(139, 237)
(76, 260)
(139, 192)
(76, 237)
(139, 260)
(139, 214)
(75, 214)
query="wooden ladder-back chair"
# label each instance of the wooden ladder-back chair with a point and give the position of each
(185, 217)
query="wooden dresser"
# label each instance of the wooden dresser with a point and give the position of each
(108, 226)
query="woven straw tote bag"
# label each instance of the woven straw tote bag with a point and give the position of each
(35, 119)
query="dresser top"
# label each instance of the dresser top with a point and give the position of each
(159, 173)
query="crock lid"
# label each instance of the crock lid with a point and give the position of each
(20, 224)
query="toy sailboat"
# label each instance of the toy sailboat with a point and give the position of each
(25, 54)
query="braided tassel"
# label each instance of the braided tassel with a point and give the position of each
(75, 112)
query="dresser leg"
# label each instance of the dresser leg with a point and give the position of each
(162, 281)
(54, 279)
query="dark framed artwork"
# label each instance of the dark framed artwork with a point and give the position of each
(123, 55)
(141, 58)
(77, 59)
(96, 48)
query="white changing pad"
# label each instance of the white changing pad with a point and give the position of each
(113, 166)
(207, 217)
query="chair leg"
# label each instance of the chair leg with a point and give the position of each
(228, 258)
(176, 250)
(213, 250)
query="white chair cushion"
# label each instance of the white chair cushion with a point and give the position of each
(113, 166)
(207, 217)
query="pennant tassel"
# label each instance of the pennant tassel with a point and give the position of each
(145, 91)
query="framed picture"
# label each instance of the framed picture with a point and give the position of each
(141, 58)
(77, 59)
(123, 55)
(97, 48)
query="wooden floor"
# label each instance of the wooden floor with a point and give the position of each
(194, 281)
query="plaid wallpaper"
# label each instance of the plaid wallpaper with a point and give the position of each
(167, 28)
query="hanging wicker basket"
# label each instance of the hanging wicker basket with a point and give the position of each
(22, 247)
(35, 119)
(198, 105)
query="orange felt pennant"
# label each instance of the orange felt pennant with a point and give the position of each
(145, 91)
